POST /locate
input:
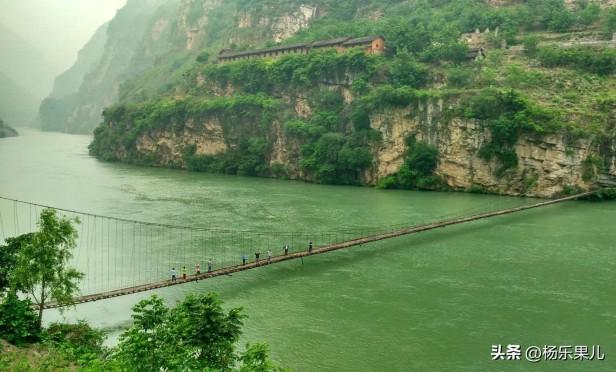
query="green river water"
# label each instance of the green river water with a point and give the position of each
(435, 301)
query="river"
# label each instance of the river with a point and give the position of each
(428, 302)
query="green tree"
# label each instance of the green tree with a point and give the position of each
(459, 77)
(609, 22)
(8, 258)
(18, 321)
(418, 169)
(588, 13)
(42, 270)
(405, 71)
(203, 57)
(256, 359)
(198, 334)
(531, 45)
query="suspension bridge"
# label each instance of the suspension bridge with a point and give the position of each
(122, 257)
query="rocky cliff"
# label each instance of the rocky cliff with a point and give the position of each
(108, 59)
(426, 117)
(146, 48)
(548, 165)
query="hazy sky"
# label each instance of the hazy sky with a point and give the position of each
(57, 28)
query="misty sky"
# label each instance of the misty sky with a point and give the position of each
(57, 28)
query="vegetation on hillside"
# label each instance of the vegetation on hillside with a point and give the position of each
(35, 265)
(197, 334)
(546, 89)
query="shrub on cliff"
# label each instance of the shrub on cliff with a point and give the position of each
(598, 61)
(506, 115)
(418, 169)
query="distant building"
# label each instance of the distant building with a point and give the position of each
(479, 42)
(370, 44)
(477, 39)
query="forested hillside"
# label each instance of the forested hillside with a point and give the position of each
(532, 114)
(115, 53)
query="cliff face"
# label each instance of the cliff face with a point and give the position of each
(145, 49)
(352, 118)
(69, 81)
(168, 146)
(547, 165)
(94, 81)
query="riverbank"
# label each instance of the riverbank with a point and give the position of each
(7, 131)
(435, 301)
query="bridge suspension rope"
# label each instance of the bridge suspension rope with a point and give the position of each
(122, 253)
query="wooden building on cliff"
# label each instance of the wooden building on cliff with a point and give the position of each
(370, 44)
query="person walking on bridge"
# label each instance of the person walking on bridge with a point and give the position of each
(209, 265)
(269, 256)
(286, 249)
(257, 254)
(174, 274)
(198, 269)
(244, 259)
(310, 247)
(184, 272)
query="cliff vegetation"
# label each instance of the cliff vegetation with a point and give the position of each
(534, 117)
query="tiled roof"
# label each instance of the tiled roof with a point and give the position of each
(362, 40)
(347, 41)
(322, 43)
(230, 54)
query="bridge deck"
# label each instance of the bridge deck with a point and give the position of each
(315, 251)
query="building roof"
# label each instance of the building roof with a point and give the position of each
(362, 40)
(323, 43)
(226, 53)
(346, 41)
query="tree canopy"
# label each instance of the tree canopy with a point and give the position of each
(41, 270)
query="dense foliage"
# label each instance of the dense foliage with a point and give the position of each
(18, 321)
(8, 259)
(418, 169)
(196, 335)
(42, 270)
(598, 61)
(506, 115)
(289, 71)
(310, 116)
